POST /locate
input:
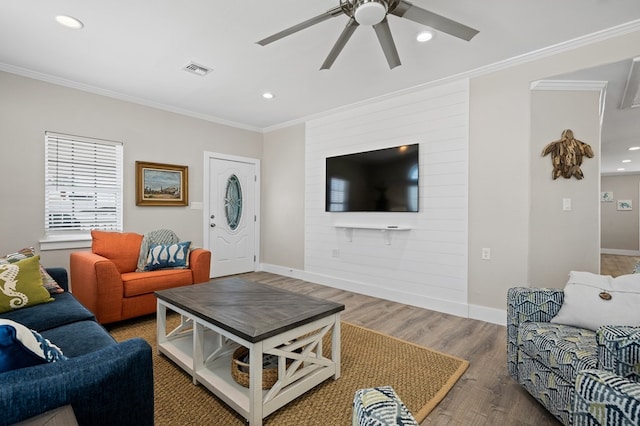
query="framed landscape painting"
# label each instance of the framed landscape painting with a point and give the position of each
(160, 184)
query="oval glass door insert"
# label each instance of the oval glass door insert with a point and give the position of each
(233, 202)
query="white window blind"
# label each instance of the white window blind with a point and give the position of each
(83, 184)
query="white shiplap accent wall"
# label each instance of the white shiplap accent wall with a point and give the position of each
(427, 265)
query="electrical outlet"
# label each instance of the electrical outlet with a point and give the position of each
(335, 253)
(486, 254)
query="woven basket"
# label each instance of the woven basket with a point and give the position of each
(269, 375)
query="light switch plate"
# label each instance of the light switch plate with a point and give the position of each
(486, 254)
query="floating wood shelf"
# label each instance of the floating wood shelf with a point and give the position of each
(385, 229)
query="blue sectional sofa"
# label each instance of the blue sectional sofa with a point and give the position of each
(105, 382)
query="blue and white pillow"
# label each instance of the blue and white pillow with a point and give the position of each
(165, 256)
(21, 347)
(380, 406)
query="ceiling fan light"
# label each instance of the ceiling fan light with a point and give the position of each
(370, 12)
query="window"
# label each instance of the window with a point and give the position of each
(83, 185)
(233, 202)
(338, 195)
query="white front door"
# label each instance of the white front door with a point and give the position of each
(232, 216)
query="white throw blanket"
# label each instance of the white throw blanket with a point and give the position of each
(161, 236)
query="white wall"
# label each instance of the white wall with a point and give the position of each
(620, 228)
(427, 265)
(30, 107)
(283, 197)
(564, 240)
(500, 169)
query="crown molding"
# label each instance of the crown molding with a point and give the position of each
(582, 85)
(575, 43)
(602, 35)
(555, 49)
(575, 85)
(121, 96)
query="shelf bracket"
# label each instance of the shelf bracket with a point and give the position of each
(387, 236)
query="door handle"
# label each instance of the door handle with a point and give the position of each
(213, 225)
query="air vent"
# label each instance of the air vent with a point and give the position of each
(196, 69)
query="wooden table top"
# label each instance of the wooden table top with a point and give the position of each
(247, 309)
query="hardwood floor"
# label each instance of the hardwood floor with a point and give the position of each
(485, 395)
(616, 265)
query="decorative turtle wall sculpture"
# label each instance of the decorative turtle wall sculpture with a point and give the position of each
(566, 155)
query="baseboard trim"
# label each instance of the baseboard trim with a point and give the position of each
(620, 252)
(486, 314)
(482, 313)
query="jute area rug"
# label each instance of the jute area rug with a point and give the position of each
(420, 376)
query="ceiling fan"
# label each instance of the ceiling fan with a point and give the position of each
(374, 13)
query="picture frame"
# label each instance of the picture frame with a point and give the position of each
(625, 205)
(606, 197)
(159, 184)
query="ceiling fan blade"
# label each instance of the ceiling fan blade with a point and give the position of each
(433, 20)
(386, 41)
(336, 11)
(342, 41)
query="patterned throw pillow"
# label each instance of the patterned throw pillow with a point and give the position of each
(21, 347)
(380, 406)
(47, 281)
(21, 285)
(165, 256)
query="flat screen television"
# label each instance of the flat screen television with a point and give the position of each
(384, 180)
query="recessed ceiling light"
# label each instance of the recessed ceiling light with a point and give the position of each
(268, 95)
(626, 161)
(69, 22)
(425, 36)
(634, 148)
(621, 169)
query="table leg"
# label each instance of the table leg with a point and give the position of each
(335, 345)
(161, 323)
(255, 384)
(198, 349)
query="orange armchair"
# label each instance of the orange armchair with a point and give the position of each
(105, 280)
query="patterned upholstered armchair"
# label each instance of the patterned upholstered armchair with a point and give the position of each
(582, 377)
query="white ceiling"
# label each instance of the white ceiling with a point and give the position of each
(136, 50)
